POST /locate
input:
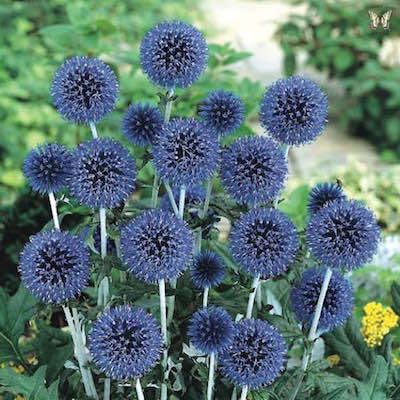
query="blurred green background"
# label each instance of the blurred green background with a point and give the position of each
(251, 44)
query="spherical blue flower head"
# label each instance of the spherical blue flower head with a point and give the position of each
(253, 170)
(222, 111)
(256, 355)
(338, 303)
(194, 195)
(125, 342)
(343, 234)
(294, 110)
(54, 266)
(323, 194)
(84, 90)
(264, 242)
(186, 152)
(173, 54)
(141, 124)
(207, 270)
(103, 173)
(47, 168)
(211, 330)
(156, 245)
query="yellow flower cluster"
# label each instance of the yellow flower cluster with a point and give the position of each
(377, 323)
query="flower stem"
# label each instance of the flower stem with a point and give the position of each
(163, 317)
(53, 206)
(80, 351)
(252, 296)
(168, 106)
(211, 370)
(103, 232)
(139, 390)
(182, 194)
(259, 296)
(154, 192)
(245, 390)
(207, 199)
(171, 198)
(205, 296)
(107, 389)
(94, 130)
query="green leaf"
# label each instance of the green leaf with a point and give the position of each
(295, 206)
(373, 388)
(343, 59)
(395, 292)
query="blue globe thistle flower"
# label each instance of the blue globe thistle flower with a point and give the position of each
(211, 330)
(294, 110)
(186, 152)
(207, 270)
(222, 111)
(338, 303)
(323, 194)
(54, 266)
(125, 342)
(84, 90)
(47, 168)
(256, 355)
(173, 54)
(343, 234)
(156, 245)
(264, 242)
(142, 123)
(253, 170)
(194, 195)
(103, 173)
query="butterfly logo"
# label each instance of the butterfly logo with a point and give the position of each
(376, 19)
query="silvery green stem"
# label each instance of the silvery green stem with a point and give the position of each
(182, 194)
(154, 192)
(80, 352)
(94, 130)
(107, 389)
(205, 296)
(103, 291)
(171, 303)
(259, 296)
(171, 198)
(163, 317)
(53, 206)
(168, 106)
(139, 390)
(207, 199)
(234, 394)
(211, 369)
(252, 296)
(103, 232)
(245, 390)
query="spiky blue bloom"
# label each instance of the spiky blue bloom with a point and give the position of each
(54, 266)
(125, 342)
(194, 196)
(222, 111)
(156, 245)
(47, 168)
(294, 110)
(264, 242)
(103, 173)
(84, 89)
(208, 270)
(253, 170)
(211, 330)
(173, 54)
(142, 123)
(186, 152)
(338, 303)
(256, 355)
(343, 234)
(323, 194)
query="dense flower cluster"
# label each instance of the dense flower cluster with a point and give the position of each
(207, 270)
(84, 90)
(337, 305)
(377, 323)
(125, 342)
(323, 194)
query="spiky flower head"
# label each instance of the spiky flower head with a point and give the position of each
(173, 54)
(211, 330)
(186, 152)
(264, 242)
(256, 355)
(338, 303)
(294, 110)
(222, 111)
(47, 168)
(323, 194)
(142, 123)
(194, 196)
(343, 234)
(103, 173)
(208, 270)
(125, 342)
(54, 266)
(253, 170)
(84, 90)
(156, 245)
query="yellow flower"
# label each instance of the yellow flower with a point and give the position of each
(19, 397)
(377, 323)
(333, 360)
